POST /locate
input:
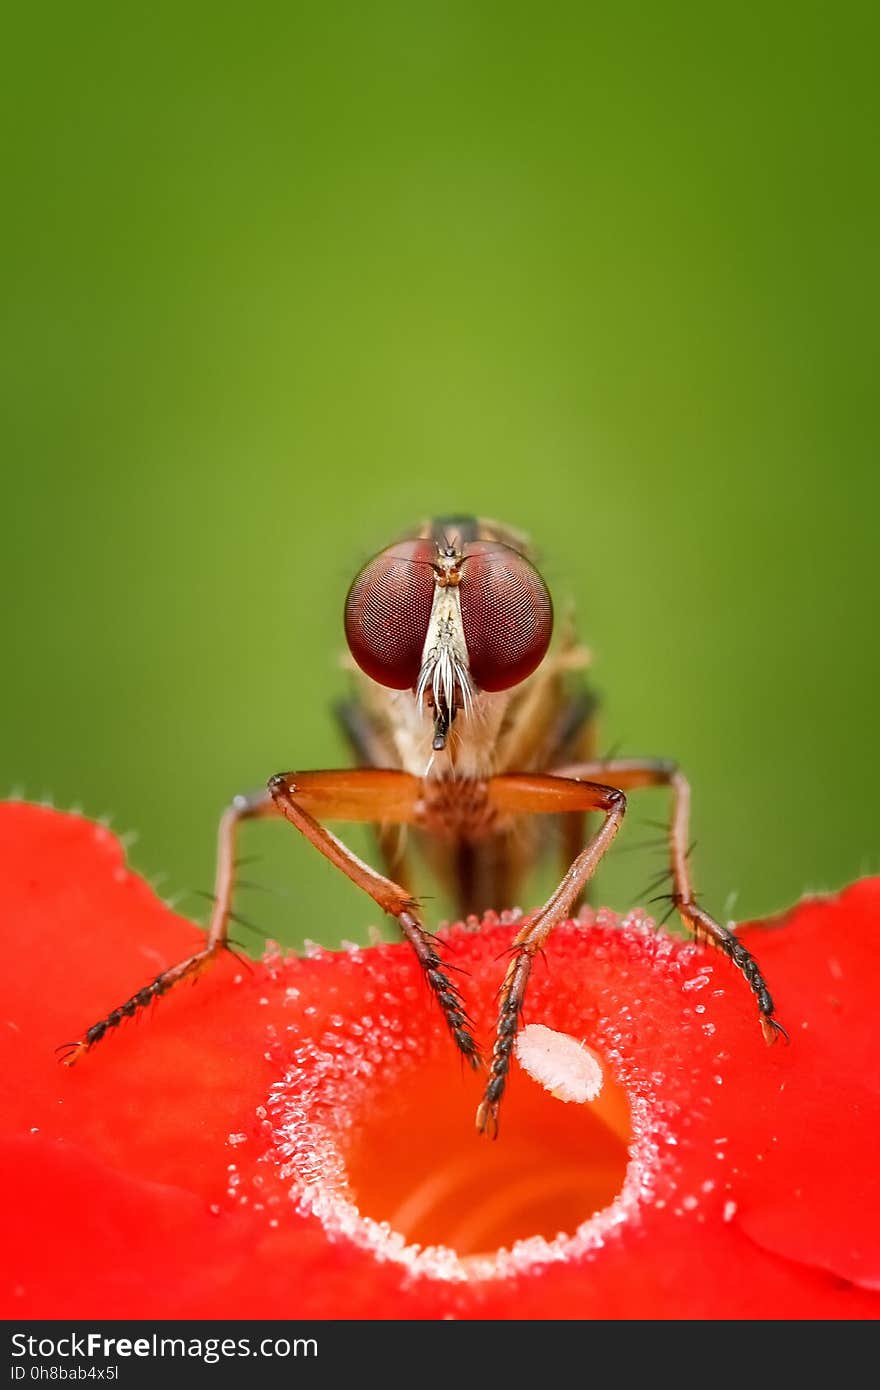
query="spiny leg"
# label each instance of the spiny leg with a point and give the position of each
(518, 795)
(392, 798)
(553, 721)
(242, 808)
(633, 773)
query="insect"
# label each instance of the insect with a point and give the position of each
(466, 726)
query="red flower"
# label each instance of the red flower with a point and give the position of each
(298, 1141)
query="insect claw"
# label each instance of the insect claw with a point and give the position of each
(487, 1118)
(772, 1029)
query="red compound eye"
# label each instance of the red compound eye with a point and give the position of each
(387, 613)
(507, 615)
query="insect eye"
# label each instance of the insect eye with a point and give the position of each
(507, 615)
(387, 612)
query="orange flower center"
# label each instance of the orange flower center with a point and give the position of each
(408, 1161)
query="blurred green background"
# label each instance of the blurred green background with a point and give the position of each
(282, 281)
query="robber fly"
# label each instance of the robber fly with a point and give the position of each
(464, 723)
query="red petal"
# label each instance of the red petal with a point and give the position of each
(817, 1197)
(167, 1173)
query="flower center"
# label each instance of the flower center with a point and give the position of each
(414, 1160)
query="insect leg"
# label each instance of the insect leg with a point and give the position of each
(553, 720)
(392, 798)
(241, 808)
(632, 773)
(577, 737)
(539, 794)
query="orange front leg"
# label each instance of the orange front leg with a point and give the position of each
(542, 795)
(391, 798)
(360, 795)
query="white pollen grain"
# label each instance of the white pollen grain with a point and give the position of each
(558, 1062)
